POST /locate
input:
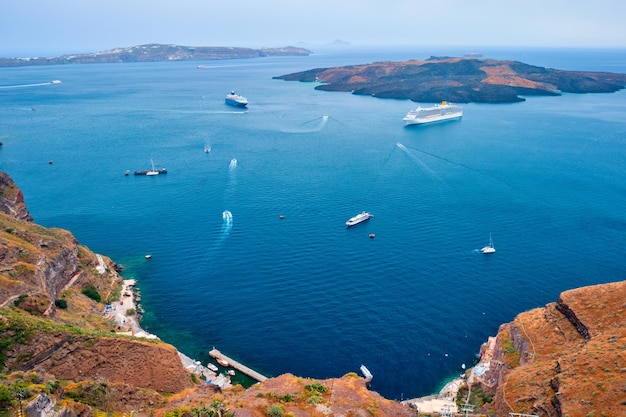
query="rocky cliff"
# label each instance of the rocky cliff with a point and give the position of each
(12, 199)
(290, 395)
(566, 359)
(52, 293)
(37, 262)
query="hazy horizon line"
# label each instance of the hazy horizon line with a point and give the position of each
(337, 44)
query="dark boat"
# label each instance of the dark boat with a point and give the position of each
(149, 171)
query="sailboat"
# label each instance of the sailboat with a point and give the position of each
(489, 248)
(152, 171)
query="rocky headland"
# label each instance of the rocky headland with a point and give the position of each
(62, 355)
(460, 80)
(154, 53)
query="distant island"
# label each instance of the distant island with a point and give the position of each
(156, 52)
(462, 80)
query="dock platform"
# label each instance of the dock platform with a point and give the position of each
(214, 353)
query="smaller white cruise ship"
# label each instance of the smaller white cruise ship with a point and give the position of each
(436, 113)
(361, 217)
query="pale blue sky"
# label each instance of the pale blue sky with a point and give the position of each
(73, 26)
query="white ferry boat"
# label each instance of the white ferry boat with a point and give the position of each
(236, 100)
(361, 217)
(436, 113)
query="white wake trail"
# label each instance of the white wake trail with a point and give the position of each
(6, 87)
(425, 167)
(227, 224)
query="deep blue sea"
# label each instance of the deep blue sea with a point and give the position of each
(304, 294)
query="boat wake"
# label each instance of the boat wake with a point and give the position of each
(233, 164)
(321, 123)
(478, 171)
(425, 167)
(29, 85)
(226, 112)
(227, 224)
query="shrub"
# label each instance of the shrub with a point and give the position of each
(316, 387)
(275, 411)
(61, 303)
(90, 291)
(20, 300)
(287, 398)
(6, 396)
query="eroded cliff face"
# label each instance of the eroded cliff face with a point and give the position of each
(346, 396)
(566, 359)
(67, 356)
(40, 263)
(75, 343)
(12, 199)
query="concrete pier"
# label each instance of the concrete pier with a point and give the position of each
(214, 353)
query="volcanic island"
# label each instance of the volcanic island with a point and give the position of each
(461, 80)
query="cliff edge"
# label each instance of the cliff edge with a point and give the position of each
(565, 359)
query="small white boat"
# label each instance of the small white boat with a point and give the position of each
(366, 372)
(231, 372)
(223, 362)
(212, 367)
(361, 217)
(153, 171)
(489, 248)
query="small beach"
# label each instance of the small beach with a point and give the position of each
(124, 313)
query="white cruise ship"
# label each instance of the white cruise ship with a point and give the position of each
(436, 113)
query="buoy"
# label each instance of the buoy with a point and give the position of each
(281, 216)
(372, 235)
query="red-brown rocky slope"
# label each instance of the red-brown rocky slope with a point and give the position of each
(566, 359)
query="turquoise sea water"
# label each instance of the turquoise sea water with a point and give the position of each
(304, 294)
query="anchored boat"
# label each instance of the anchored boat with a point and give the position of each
(359, 218)
(151, 172)
(366, 372)
(489, 248)
(436, 113)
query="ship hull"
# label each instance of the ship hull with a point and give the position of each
(431, 119)
(359, 218)
(236, 103)
(151, 172)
